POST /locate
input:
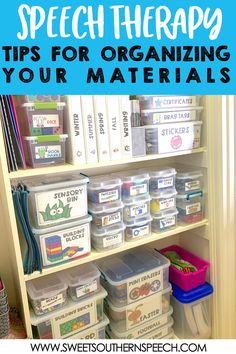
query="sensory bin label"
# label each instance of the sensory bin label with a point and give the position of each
(45, 121)
(47, 152)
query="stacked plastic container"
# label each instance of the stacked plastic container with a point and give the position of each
(4, 312)
(138, 302)
(68, 305)
(41, 120)
(106, 208)
(192, 295)
(172, 123)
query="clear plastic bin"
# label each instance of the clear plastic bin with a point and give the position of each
(134, 276)
(95, 332)
(106, 214)
(20, 99)
(189, 180)
(161, 179)
(142, 331)
(160, 116)
(168, 102)
(164, 221)
(192, 312)
(136, 230)
(190, 207)
(104, 189)
(42, 118)
(72, 319)
(107, 238)
(163, 200)
(135, 208)
(47, 294)
(56, 200)
(83, 281)
(45, 150)
(134, 183)
(64, 242)
(131, 316)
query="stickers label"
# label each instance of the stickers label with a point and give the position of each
(165, 182)
(138, 210)
(108, 196)
(167, 203)
(167, 222)
(111, 219)
(45, 120)
(87, 289)
(52, 302)
(47, 152)
(191, 186)
(193, 208)
(139, 189)
(112, 240)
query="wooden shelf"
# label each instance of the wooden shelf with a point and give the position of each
(94, 256)
(30, 172)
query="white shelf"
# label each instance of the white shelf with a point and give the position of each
(94, 256)
(30, 172)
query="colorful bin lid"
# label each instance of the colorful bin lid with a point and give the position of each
(187, 297)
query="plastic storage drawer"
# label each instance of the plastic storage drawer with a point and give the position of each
(104, 189)
(83, 281)
(66, 242)
(189, 180)
(56, 200)
(136, 208)
(134, 184)
(95, 332)
(136, 230)
(133, 315)
(161, 179)
(164, 221)
(187, 281)
(134, 275)
(143, 330)
(45, 150)
(160, 116)
(42, 118)
(47, 294)
(72, 319)
(190, 207)
(106, 214)
(168, 102)
(107, 238)
(163, 200)
(192, 312)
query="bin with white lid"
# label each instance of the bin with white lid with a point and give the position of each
(104, 189)
(107, 238)
(106, 214)
(134, 183)
(136, 208)
(134, 275)
(163, 200)
(189, 180)
(137, 229)
(97, 331)
(190, 207)
(164, 221)
(161, 179)
(57, 199)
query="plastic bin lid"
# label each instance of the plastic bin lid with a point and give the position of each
(44, 105)
(129, 264)
(55, 182)
(171, 110)
(166, 193)
(142, 221)
(46, 287)
(109, 230)
(163, 172)
(103, 182)
(137, 200)
(45, 138)
(193, 295)
(190, 195)
(133, 175)
(105, 208)
(165, 214)
(188, 173)
(81, 275)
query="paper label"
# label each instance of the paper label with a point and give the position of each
(108, 196)
(158, 334)
(151, 326)
(173, 101)
(167, 203)
(52, 302)
(61, 204)
(45, 120)
(165, 182)
(191, 186)
(144, 285)
(138, 189)
(47, 152)
(92, 334)
(138, 210)
(140, 231)
(112, 240)
(65, 245)
(173, 117)
(137, 314)
(193, 208)
(167, 222)
(86, 289)
(74, 320)
(111, 219)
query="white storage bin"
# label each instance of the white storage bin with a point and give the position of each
(83, 281)
(64, 242)
(163, 200)
(134, 275)
(106, 214)
(168, 102)
(158, 324)
(192, 312)
(128, 317)
(47, 294)
(161, 179)
(161, 333)
(134, 183)
(95, 332)
(189, 180)
(72, 319)
(135, 208)
(175, 115)
(190, 207)
(55, 200)
(136, 230)
(164, 221)
(107, 238)
(104, 189)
